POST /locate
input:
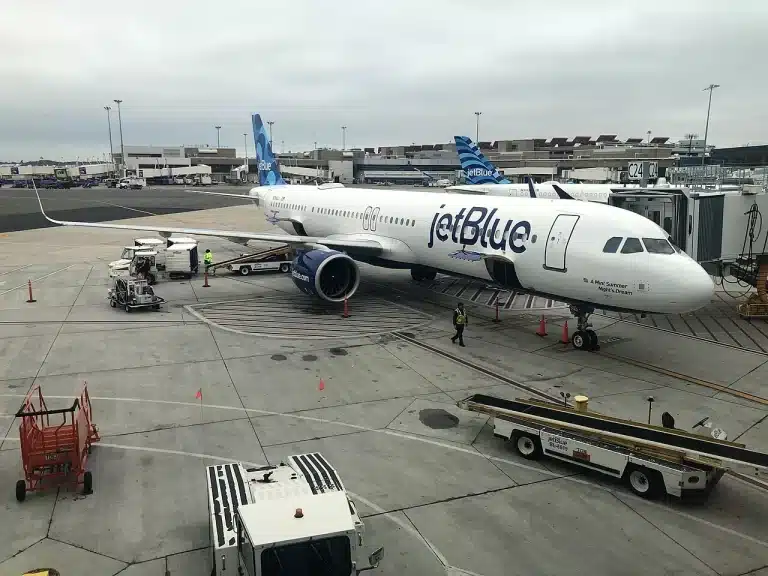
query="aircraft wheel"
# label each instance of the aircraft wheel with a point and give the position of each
(594, 341)
(580, 340)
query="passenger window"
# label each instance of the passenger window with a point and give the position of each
(413, 222)
(612, 245)
(631, 246)
(408, 222)
(658, 246)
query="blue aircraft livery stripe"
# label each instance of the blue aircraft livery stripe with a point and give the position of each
(269, 172)
(475, 165)
(478, 224)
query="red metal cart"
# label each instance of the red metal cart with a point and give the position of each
(55, 452)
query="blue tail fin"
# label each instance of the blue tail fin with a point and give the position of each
(269, 173)
(477, 168)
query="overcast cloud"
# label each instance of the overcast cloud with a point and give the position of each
(393, 71)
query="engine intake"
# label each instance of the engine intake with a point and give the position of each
(327, 274)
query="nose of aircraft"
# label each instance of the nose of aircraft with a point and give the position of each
(699, 286)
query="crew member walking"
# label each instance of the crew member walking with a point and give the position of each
(207, 258)
(459, 322)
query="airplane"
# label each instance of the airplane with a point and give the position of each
(484, 178)
(588, 255)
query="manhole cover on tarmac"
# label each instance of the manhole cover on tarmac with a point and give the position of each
(298, 316)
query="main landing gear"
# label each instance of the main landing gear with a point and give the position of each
(420, 273)
(584, 338)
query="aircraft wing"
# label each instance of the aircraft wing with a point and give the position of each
(238, 196)
(368, 246)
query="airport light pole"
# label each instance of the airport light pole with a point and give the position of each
(343, 138)
(218, 140)
(109, 125)
(711, 89)
(648, 133)
(270, 122)
(245, 143)
(477, 127)
(120, 124)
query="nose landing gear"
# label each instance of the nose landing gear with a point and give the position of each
(584, 338)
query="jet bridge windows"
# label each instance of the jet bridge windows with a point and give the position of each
(631, 246)
(658, 246)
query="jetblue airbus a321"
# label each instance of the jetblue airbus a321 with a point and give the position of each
(585, 254)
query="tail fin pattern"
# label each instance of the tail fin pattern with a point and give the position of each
(475, 165)
(269, 173)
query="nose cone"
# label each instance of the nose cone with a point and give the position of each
(699, 286)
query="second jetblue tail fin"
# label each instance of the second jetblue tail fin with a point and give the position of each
(477, 168)
(269, 173)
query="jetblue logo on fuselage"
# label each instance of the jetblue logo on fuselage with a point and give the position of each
(478, 224)
(479, 172)
(263, 165)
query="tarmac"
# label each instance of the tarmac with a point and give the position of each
(434, 486)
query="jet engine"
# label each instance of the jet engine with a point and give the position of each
(327, 274)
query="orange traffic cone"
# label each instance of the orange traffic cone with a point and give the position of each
(564, 338)
(542, 331)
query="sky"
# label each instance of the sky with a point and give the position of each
(393, 72)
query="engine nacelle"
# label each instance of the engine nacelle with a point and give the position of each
(327, 274)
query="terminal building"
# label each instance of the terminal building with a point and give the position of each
(582, 158)
(604, 159)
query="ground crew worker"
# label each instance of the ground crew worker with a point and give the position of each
(207, 258)
(459, 322)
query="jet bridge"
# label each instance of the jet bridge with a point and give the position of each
(715, 228)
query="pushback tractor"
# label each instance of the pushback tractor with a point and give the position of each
(651, 460)
(293, 518)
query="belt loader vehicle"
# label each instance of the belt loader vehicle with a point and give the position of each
(293, 518)
(651, 460)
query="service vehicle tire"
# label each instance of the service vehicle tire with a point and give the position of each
(245, 270)
(527, 445)
(87, 482)
(284, 268)
(643, 482)
(21, 490)
(112, 303)
(127, 308)
(151, 279)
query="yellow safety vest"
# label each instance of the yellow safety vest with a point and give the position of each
(459, 319)
(208, 257)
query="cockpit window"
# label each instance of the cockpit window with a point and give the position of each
(612, 245)
(631, 246)
(658, 246)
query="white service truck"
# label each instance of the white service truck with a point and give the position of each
(182, 250)
(277, 261)
(293, 518)
(132, 183)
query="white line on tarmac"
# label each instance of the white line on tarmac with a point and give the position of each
(41, 277)
(406, 436)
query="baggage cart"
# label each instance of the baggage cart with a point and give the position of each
(54, 450)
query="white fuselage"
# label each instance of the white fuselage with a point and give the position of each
(589, 192)
(557, 246)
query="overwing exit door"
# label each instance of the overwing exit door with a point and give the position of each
(557, 242)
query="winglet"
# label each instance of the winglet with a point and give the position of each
(40, 202)
(562, 194)
(531, 189)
